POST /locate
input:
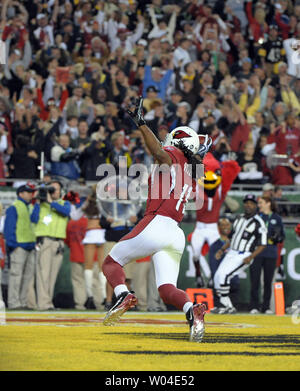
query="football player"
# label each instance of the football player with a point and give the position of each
(171, 182)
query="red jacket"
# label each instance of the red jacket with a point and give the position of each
(239, 137)
(76, 230)
(284, 27)
(44, 115)
(287, 142)
(258, 30)
(21, 31)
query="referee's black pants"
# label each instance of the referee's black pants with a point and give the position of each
(268, 265)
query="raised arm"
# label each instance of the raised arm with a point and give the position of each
(152, 143)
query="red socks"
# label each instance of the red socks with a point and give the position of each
(174, 296)
(113, 272)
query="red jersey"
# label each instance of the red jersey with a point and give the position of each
(210, 211)
(286, 142)
(169, 190)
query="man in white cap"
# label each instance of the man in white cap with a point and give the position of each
(44, 32)
(268, 190)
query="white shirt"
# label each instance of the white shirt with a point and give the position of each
(181, 54)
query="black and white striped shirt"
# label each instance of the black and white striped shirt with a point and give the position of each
(248, 233)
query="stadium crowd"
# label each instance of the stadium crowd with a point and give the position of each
(225, 68)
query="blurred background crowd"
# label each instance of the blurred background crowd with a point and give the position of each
(226, 68)
(70, 69)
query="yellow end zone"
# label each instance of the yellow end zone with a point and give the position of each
(145, 341)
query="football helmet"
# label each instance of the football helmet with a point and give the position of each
(184, 134)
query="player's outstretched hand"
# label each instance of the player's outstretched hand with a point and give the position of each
(204, 147)
(137, 115)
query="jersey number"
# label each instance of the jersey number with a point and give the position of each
(184, 196)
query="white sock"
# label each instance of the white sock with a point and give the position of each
(102, 280)
(187, 306)
(120, 289)
(225, 300)
(88, 277)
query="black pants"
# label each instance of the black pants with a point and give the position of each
(268, 266)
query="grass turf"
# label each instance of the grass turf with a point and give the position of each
(78, 341)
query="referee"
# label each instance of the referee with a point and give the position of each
(248, 239)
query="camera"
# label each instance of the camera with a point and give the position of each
(43, 190)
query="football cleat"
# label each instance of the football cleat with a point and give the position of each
(227, 310)
(254, 311)
(223, 310)
(195, 318)
(215, 310)
(125, 301)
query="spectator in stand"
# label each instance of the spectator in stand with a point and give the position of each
(64, 159)
(294, 165)
(154, 77)
(24, 160)
(156, 116)
(120, 37)
(151, 96)
(268, 190)
(44, 33)
(118, 150)
(257, 21)
(278, 198)
(54, 100)
(251, 171)
(182, 115)
(16, 28)
(94, 154)
(287, 140)
(83, 138)
(76, 105)
(162, 29)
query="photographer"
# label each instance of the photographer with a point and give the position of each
(266, 260)
(50, 214)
